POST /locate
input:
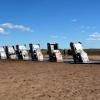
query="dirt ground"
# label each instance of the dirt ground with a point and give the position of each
(28, 80)
(95, 57)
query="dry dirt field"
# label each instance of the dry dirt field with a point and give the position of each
(28, 80)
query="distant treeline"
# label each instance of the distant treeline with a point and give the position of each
(93, 51)
(89, 51)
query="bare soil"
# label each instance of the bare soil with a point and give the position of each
(28, 80)
(95, 57)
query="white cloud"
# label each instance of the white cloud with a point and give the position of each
(95, 36)
(23, 28)
(2, 31)
(74, 20)
(16, 26)
(7, 25)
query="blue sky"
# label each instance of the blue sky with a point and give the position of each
(42, 21)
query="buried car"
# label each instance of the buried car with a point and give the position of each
(11, 52)
(35, 51)
(54, 53)
(22, 52)
(79, 55)
(2, 53)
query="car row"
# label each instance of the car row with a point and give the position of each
(20, 52)
(33, 52)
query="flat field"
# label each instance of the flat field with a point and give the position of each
(29, 80)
